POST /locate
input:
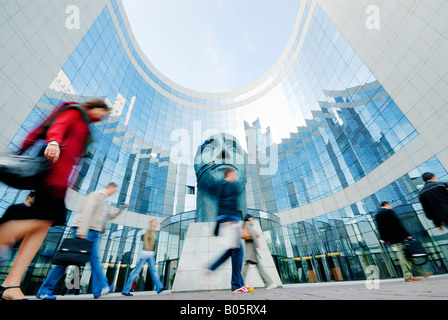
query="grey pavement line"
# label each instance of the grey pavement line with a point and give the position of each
(395, 288)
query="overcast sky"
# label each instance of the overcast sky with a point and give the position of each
(212, 45)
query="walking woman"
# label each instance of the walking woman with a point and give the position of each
(250, 252)
(66, 133)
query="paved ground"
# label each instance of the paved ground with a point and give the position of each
(432, 288)
(315, 301)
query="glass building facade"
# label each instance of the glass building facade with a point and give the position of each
(317, 123)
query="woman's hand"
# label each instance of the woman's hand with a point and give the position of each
(52, 152)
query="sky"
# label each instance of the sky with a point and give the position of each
(212, 45)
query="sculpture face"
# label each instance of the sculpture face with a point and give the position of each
(216, 153)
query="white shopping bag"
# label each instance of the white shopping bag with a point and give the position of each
(229, 235)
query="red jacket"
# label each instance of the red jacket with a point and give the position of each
(71, 131)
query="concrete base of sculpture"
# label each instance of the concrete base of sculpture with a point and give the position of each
(201, 249)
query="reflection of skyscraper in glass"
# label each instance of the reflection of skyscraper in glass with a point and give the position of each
(338, 124)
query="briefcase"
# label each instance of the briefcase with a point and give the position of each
(73, 252)
(414, 249)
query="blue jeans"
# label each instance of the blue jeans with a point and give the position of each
(152, 269)
(237, 264)
(98, 279)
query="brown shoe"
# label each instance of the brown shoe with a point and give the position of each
(412, 279)
(427, 275)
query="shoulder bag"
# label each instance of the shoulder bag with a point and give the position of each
(23, 172)
(245, 235)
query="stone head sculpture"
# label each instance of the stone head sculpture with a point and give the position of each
(216, 153)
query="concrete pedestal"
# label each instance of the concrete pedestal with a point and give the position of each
(201, 249)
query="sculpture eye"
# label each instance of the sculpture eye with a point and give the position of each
(207, 149)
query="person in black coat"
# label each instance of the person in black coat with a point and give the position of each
(434, 199)
(390, 227)
(21, 211)
(392, 232)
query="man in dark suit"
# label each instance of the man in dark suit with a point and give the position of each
(392, 232)
(434, 199)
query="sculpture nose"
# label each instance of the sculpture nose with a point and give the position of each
(224, 154)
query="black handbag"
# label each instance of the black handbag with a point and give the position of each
(23, 172)
(74, 252)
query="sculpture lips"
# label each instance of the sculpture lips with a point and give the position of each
(212, 166)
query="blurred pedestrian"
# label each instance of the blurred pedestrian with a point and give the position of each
(90, 222)
(434, 199)
(228, 216)
(392, 232)
(251, 256)
(146, 256)
(66, 134)
(21, 211)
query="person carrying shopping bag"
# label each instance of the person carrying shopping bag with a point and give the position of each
(228, 217)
